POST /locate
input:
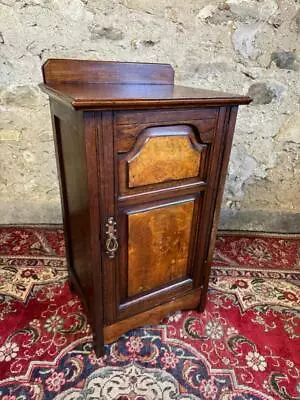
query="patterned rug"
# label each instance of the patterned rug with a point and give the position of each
(246, 345)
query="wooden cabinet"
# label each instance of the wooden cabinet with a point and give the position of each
(142, 164)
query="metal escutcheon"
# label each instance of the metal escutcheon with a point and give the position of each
(111, 242)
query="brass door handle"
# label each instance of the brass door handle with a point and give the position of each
(111, 242)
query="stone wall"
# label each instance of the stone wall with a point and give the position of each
(249, 46)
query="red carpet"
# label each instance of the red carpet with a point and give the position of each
(246, 345)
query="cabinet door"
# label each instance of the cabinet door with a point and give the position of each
(164, 164)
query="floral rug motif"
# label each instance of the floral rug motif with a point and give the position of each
(261, 251)
(251, 292)
(18, 281)
(246, 344)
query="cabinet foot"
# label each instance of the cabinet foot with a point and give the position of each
(72, 286)
(201, 307)
(99, 348)
(202, 303)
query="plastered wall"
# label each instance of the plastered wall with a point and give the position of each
(238, 46)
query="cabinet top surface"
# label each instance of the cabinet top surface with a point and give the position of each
(95, 84)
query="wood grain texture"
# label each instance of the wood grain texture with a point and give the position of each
(86, 71)
(171, 116)
(69, 137)
(151, 298)
(227, 136)
(89, 122)
(151, 165)
(169, 191)
(73, 178)
(130, 96)
(105, 150)
(205, 224)
(158, 246)
(126, 135)
(153, 316)
(145, 168)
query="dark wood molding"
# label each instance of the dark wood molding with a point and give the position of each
(153, 316)
(56, 71)
(108, 85)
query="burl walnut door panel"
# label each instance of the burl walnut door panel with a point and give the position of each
(156, 251)
(158, 236)
(149, 164)
(162, 159)
(162, 174)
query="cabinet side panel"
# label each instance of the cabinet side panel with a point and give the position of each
(70, 152)
(228, 131)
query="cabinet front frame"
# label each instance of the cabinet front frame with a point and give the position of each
(113, 289)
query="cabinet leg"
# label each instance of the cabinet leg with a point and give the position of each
(99, 346)
(201, 306)
(203, 298)
(71, 286)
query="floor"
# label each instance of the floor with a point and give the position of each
(246, 345)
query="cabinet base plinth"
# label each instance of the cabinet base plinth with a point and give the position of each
(153, 316)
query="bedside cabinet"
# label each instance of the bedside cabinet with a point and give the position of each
(142, 164)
